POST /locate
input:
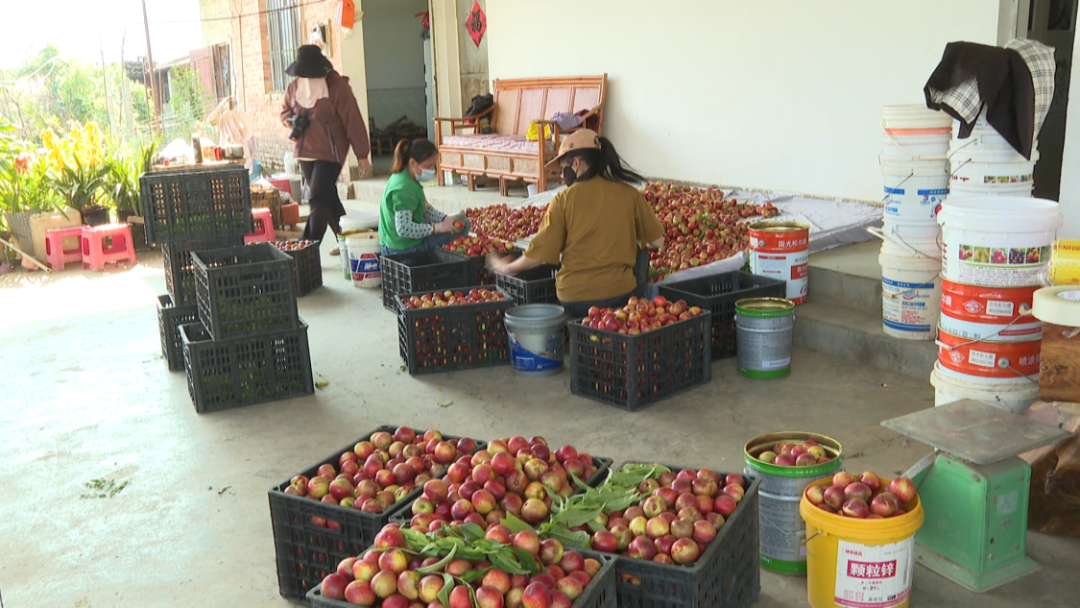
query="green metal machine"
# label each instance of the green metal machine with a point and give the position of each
(974, 490)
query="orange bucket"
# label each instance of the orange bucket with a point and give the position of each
(781, 250)
(988, 359)
(974, 312)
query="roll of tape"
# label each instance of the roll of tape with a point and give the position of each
(1058, 305)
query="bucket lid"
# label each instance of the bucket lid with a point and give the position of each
(535, 312)
(779, 226)
(763, 308)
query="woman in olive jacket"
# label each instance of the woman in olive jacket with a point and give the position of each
(324, 118)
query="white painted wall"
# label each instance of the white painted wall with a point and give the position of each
(782, 95)
(1070, 162)
(394, 56)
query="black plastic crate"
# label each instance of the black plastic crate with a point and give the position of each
(600, 593)
(245, 291)
(308, 266)
(422, 271)
(727, 575)
(186, 205)
(453, 337)
(718, 294)
(224, 374)
(633, 372)
(533, 286)
(307, 551)
(170, 317)
(180, 270)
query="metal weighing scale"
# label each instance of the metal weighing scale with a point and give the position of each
(974, 490)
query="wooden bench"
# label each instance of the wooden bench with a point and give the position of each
(505, 153)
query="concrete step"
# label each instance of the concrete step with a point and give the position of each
(856, 335)
(849, 276)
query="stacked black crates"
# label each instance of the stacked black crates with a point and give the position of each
(250, 345)
(191, 210)
(230, 318)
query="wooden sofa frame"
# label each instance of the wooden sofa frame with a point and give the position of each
(518, 103)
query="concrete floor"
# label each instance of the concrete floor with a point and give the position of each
(86, 395)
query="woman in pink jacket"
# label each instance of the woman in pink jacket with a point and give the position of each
(321, 111)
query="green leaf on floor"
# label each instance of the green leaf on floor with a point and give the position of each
(445, 405)
(103, 488)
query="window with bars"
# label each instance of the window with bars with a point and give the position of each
(283, 33)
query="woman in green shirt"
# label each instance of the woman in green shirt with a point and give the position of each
(406, 222)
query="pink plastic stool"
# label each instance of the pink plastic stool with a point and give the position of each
(264, 227)
(108, 243)
(54, 246)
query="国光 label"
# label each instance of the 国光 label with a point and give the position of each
(877, 576)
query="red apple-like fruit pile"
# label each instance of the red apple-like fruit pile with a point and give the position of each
(513, 475)
(478, 245)
(676, 521)
(506, 224)
(380, 471)
(640, 315)
(452, 298)
(701, 226)
(389, 577)
(291, 245)
(863, 497)
(795, 453)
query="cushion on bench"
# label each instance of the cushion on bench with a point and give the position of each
(496, 142)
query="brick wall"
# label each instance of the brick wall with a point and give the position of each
(251, 53)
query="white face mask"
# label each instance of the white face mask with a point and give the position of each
(426, 175)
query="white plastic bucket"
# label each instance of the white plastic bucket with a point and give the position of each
(537, 335)
(982, 133)
(1012, 394)
(917, 147)
(909, 239)
(914, 119)
(914, 189)
(359, 221)
(910, 296)
(364, 264)
(981, 166)
(997, 241)
(958, 190)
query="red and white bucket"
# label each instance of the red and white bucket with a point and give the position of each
(781, 250)
(988, 359)
(1001, 314)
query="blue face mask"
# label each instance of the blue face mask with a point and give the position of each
(426, 175)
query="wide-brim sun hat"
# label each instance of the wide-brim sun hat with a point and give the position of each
(584, 139)
(310, 63)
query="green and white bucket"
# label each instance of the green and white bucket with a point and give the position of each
(781, 528)
(763, 328)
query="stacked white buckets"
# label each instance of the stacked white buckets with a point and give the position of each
(985, 164)
(989, 345)
(915, 170)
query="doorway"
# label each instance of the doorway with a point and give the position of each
(394, 63)
(1053, 23)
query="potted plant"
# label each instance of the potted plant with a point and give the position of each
(26, 188)
(123, 186)
(79, 171)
